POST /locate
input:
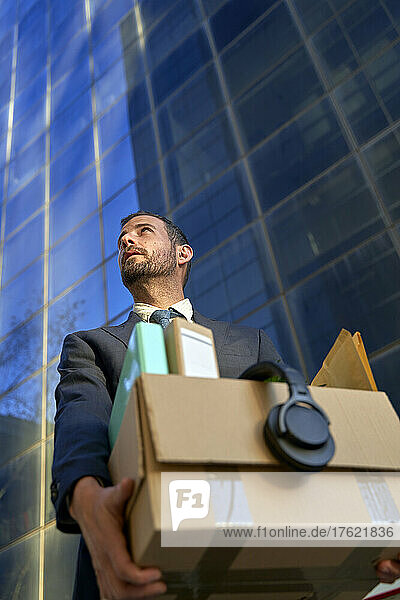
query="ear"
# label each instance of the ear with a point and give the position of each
(184, 254)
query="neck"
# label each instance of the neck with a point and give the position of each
(157, 292)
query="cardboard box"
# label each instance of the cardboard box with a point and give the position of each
(190, 349)
(180, 424)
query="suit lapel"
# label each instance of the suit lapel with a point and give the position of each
(123, 332)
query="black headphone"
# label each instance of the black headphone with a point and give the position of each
(298, 435)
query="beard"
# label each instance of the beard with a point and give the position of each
(156, 264)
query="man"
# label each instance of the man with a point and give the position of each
(154, 259)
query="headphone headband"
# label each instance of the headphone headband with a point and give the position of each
(298, 435)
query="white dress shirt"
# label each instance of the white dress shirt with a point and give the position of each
(144, 311)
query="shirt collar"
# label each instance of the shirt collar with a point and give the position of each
(144, 311)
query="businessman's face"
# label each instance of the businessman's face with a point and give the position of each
(145, 250)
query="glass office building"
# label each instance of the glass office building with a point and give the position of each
(268, 130)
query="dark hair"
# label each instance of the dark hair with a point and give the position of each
(175, 233)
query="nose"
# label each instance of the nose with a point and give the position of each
(128, 239)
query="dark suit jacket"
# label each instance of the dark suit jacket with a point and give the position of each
(90, 366)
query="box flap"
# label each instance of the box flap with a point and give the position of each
(194, 420)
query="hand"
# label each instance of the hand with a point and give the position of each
(388, 570)
(100, 515)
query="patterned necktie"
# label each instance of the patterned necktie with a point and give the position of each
(162, 317)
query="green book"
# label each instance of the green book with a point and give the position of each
(146, 354)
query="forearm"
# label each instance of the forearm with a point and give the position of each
(83, 497)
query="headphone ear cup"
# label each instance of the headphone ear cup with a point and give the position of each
(304, 459)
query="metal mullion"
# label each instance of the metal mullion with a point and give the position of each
(45, 317)
(152, 107)
(249, 174)
(97, 156)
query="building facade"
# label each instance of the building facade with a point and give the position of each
(268, 130)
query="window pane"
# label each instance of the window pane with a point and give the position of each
(29, 127)
(26, 202)
(74, 256)
(360, 293)
(28, 98)
(217, 212)
(63, 33)
(114, 124)
(70, 87)
(297, 154)
(393, 7)
(60, 11)
(196, 162)
(333, 215)
(16, 255)
(384, 73)
(20, 563)
(180, 65)
(235, 279)
(20, 479)
(152, 10)
(334, 52)
(111, 85)
(234, 17)
(20, 418)
(259, 49)
(296, 74)
(384, 161)
(133, 63)
(368, 27)
(117, 168)
(3, 145)
(73, 205)
(120, 318)
(30, 67)
(139, 105)
(60, 552)
(386, 372)
(273, 320)
(179, 22)
(108, 17)
(144, 146)
(70, 122)
(198, 101)
(73, 160)
(106, 53)
(313, 14)
(5, 80)
(150, 191)
(211, 6)
(33, 22)
(16, 305)
(81, 308)
(25, 165)
(361, 108)
(14, 364)
(119, 298)
(4, 121)
(121, 206)
(75, 52)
